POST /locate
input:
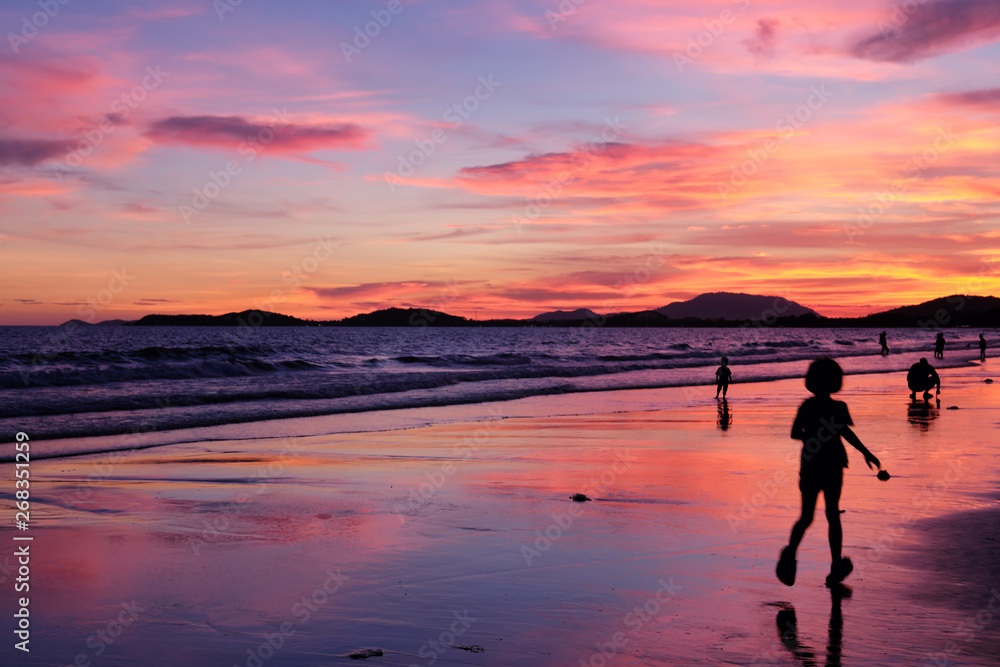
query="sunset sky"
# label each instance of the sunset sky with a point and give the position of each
(494, 159)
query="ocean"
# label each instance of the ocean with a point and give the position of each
(93, 388)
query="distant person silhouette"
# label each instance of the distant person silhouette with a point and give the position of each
(982, 348)
(939, 347)
(820, 424)
(884, 343)
(722, 376)
(921, 377)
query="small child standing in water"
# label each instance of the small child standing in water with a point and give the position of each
(722, 377)
(820, 424)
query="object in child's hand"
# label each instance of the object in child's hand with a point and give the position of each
(883, 475)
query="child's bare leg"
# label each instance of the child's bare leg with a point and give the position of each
(808, 509)
(832, 498)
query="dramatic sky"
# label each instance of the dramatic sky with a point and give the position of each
(493, 158)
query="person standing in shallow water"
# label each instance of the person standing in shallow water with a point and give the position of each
(883, 341)
(820, 424)
(939, 347)
(982, 348)
(722, 377)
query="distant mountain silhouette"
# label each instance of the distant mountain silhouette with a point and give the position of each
(254, 318)
(706, 310)
(105, 323)
(734, 306)
(948, 311)
(556, 315)
(405, 317)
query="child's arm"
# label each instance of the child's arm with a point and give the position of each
(798, 433)
(855, 441)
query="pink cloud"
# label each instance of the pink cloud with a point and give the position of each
(988, 98)
(730, 36)
(50, 94)
(671, 176)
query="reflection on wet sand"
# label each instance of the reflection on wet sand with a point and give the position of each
(725, 418)
(921, 413)
(788, 630)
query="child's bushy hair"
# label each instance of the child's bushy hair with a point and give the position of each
(825, 376)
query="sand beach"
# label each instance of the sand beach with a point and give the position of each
(459, 544)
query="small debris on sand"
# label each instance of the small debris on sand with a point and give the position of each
(953, 407)
(475, 648)
(365, 653)
(579, 498)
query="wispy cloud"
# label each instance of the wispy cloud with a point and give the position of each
(29, 152)
(763, 42)
(988, 98)
(231, 131)
(931, 29)
(376, 289)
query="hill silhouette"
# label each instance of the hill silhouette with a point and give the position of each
(404, 317)
(734, 306)
(948, 311)
(706, 310)
(255, 318)
(556, 315)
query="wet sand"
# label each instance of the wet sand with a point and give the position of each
(421, 542)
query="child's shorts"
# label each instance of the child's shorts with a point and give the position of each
(823, 479)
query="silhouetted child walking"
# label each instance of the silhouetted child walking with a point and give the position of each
(820, 424)
(722, 377)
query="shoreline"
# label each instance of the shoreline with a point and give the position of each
(378, 419)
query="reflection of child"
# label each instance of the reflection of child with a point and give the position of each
(722, 377)
(820, 424)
